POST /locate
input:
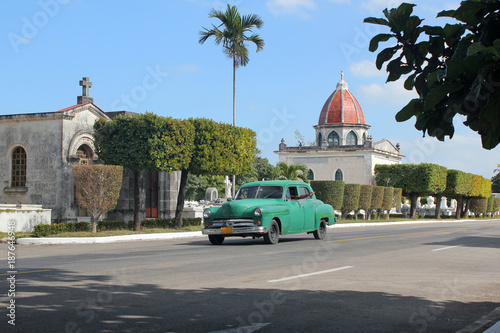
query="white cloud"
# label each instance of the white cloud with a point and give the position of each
(293, 7)
(392, 92)
(366, 68)
(462, 152)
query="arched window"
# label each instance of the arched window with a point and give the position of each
(310, 175)
(339, 175)
(333, 139)
(320, 138)
(364, 138)
(351, 139)
(84, 153)
(18, 167)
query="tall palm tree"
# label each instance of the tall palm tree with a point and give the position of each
(233, 39)
(291, 172)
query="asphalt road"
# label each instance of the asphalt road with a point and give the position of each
(406, 278)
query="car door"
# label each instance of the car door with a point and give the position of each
(309, 208)
(296, 209)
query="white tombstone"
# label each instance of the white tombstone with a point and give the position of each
(228, 184)
(443, 202)
(211, 194)
(430, 202)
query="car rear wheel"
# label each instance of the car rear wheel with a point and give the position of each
(216, 239)
(273, 234)
(321, 232)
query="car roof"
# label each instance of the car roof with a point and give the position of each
(276, 182)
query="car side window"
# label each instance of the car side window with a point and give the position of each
(304, 191)
(291, 193)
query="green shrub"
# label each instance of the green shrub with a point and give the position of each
(377, 197)
(351, 198)
(491, 204)
(398, 196)
(478, 205)
(496, 205)
(329, 191)
(43, 230)
(112, 225)
(365, 198)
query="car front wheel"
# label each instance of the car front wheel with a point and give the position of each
(273, 234)
(216, 239)
(321, 232)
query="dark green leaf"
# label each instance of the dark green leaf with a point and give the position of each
(374, 20)
(377, 39)
(408, 111)
(410, 82)
(384, 56)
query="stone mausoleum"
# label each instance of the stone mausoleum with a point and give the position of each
(39, 150)
(344, 150)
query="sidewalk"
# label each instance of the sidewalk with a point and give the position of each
(175, 235)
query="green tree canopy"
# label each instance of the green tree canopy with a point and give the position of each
(144, 142)
(365, 198)
(218, 149)
(351, 199)
(414, 179)
(455, 68)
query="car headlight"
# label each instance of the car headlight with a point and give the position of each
(257, 212)
(207, 213)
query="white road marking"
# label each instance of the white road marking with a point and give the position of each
(310, 274)
(446, 248)
(244, 329)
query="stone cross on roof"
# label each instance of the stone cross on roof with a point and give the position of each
(86, 85)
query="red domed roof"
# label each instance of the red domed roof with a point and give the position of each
(341, 107)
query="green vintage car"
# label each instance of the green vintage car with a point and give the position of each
(269, 209)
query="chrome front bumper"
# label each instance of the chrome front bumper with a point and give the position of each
(237, 231)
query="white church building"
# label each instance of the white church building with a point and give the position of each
(39, 150)
(344, 150)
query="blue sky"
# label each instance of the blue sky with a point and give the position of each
(145, 56)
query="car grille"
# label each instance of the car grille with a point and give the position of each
(233, 222)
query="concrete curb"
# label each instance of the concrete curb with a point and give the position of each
(175, 235)
(109, 239)
(488, 324)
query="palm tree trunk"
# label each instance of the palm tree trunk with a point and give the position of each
(234, 112)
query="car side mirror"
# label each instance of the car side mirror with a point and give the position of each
(229, 199)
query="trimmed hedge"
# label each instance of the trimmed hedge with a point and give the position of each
(496, 205)
(478, 205)
(388, 198)
(365, 197)
(330, 192)
(43, 230)
(398, 195)
(351, 198)
(377, 197)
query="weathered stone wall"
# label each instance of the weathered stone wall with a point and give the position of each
(22, 218)
(41, 140)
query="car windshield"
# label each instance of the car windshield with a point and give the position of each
(255, 192)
